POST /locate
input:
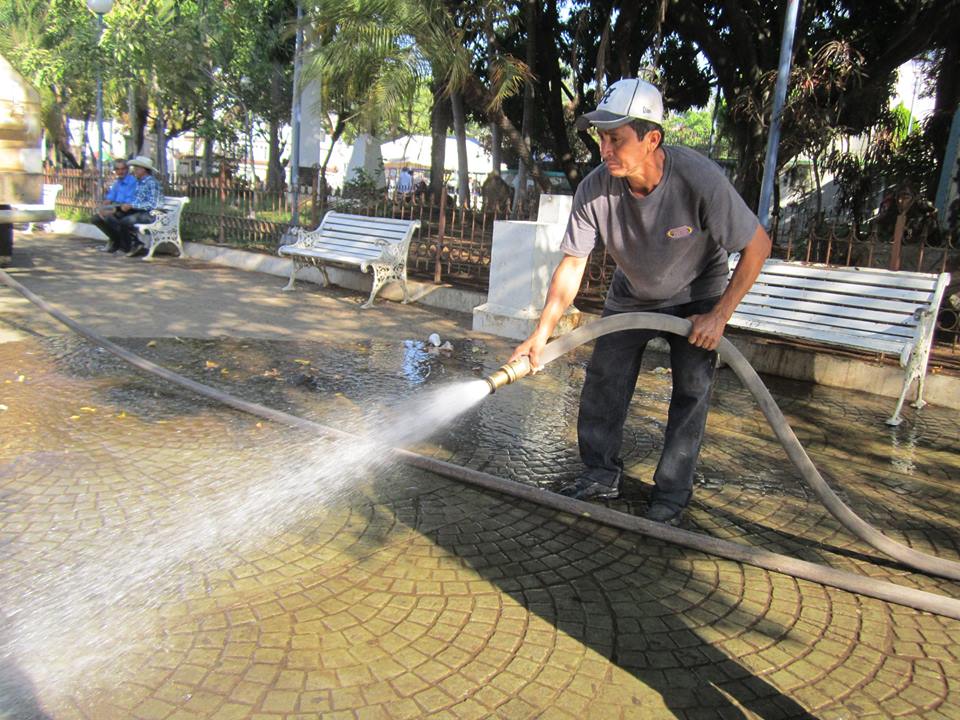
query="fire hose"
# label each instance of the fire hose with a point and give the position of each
(870, 587)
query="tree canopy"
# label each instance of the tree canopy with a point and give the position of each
(204, 66)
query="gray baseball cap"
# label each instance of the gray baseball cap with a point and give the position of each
(625, 100)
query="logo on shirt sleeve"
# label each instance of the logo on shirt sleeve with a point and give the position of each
(679, 232)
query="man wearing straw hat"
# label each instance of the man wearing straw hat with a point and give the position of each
(119, 226)
(669, 217)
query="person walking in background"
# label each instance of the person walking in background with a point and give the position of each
(119, 226)
(669, 217)
(122, 191)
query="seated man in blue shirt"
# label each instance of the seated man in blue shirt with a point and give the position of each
(122, 191)
(118, 225)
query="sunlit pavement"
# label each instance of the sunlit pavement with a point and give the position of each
(165, 556)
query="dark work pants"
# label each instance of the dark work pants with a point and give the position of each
(607, 392)
(119, 227)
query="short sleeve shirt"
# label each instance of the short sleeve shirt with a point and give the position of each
(671, 246)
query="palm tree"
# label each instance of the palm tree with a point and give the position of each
(372, 55)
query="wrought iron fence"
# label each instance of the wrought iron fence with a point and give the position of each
(922, 245)
(454, 242)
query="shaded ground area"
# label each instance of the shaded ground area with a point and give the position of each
(167, 557)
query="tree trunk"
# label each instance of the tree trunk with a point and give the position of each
(548, 68)
(337, 132)
(460, 131)
(520, 189)
(161, 129)
(62, 145)
(946, 100)
(496, 148)
(496, 137)
(85, 141)
(206, 169)
(815, 161)
(131, 139)
(274, 166)
(749, 173)
(139, 119)
(440, 119)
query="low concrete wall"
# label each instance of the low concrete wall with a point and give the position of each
(782, 359)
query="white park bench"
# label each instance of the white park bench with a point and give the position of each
(353, 240)
(878, 311)
(165, 228)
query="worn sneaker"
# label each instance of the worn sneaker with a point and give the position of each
(666, 514)
(108, 248)
(587, 490)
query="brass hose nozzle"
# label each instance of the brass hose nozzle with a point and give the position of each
(511, 372)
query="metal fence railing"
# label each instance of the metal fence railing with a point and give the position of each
(454, 242)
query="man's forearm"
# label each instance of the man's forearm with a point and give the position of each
(564, 286)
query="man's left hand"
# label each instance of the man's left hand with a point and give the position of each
(707, 330)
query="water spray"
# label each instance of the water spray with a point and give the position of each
(871, 587)
(509, 373)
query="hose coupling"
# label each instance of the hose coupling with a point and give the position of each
(511, 372)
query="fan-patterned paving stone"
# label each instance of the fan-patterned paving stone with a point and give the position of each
(403, 594)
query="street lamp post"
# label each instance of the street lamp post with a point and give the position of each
(99, 8)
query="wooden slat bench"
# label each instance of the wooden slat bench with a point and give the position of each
(354, 240)
(165, 228)
(860, 308)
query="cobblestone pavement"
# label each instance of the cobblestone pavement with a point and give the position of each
(167, 557)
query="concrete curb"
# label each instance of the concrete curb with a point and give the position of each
(767, 356)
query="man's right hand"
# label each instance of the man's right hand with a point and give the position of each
(531, 348)
(563, 288)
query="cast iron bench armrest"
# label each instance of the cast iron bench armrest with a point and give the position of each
(166, 226)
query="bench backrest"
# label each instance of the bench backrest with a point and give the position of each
(361, 235)
(865, 308)
(173, 206)
(169, 216)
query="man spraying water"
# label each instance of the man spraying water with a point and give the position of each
(668, 217)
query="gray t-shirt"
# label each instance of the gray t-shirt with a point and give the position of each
(671, 246)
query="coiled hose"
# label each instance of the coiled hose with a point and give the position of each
(879, 589)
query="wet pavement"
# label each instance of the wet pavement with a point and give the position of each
(165, 556)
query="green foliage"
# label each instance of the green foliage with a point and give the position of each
(203, 65)
(361, 187)
(892, 157)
